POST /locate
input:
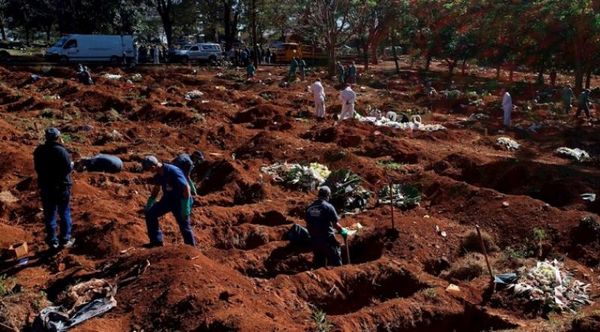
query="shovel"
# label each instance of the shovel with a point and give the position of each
(347, 251)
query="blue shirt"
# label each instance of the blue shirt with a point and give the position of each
(185, 163)
(172, 181)
(321, 219)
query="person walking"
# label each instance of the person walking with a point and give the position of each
(567, 98)
(339, 68)
(53, 166)
(584, 103)
(507, 107)
(348, 98)
(319, 97)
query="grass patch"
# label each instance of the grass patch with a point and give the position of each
(320, 321)
(391, 165)
(471, 242)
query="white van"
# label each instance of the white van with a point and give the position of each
(92, 48)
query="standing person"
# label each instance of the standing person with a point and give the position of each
(348, 98)
(352, 73)
(319, 96)
(340, 72)
(507, 106)
(156, 54)
(136, 54)
(567, 98)
(302, 66)
(293, 68)
(176, 198)
(53, 167)
(250, 70)
(322, 220)
(553, 77)
(584, 103)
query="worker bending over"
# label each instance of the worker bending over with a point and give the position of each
(176, 198)
(348, 98)
(322, 221)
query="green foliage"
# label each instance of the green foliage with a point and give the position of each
(320, 320)
(6, 285)
(539, 234)
(390, 165)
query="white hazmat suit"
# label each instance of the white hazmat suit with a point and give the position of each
(507, 107)
(319, 96)
(348, 98)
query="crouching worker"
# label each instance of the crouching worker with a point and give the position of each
(322, 221)
(100, 163)
(176, 198)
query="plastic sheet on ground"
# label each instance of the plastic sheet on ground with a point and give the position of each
(507, 143)
(577, 154)
(414, 124)
(405, 196)
(552, 287)
(194, 94)
(84, 301)
(112, 76)
(298, 176)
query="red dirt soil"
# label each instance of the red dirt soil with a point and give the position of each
(243, 275)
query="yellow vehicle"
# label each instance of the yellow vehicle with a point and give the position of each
(287, 51)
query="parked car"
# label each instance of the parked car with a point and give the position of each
(197, 52)
(92, 48)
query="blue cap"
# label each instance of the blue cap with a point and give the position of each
(148, 162)
(52, 134)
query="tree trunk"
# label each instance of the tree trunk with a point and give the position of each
(332, 60)
(374, 59)
(511, 73)
(464, 67)
(427, 62)
(451, 66)
(588, 80)
(540, 77)
(497, 72)
(366, 56)
(254, 41)
(396, 60)
(2, 30)
(227, 25)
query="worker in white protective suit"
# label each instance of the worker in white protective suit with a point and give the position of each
(319, 95)
(348, 98)
(507, 107)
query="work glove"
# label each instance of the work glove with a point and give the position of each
(193, 188)
(150, 203)
(186, 207)
(344, 232)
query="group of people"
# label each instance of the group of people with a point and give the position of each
(346, 74)
(151, 53)
(242, 56)
(297, 66)
(567, 97)
(347, 98)
(53, 165)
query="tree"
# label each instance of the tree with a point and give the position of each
(328, 23)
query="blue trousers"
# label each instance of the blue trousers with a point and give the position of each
(161, 208)
(57, 200)
(326, 252)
